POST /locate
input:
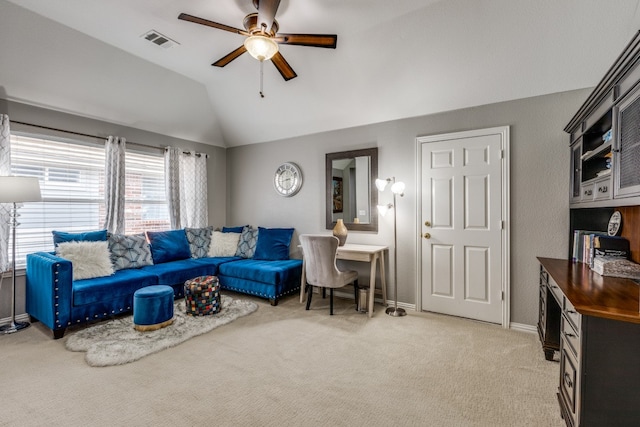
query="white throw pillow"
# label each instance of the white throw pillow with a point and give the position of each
(89, 259)
(223, 244)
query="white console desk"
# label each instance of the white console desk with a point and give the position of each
(372, 254)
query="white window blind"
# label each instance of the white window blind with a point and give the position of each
(71, 178)
(146, 207)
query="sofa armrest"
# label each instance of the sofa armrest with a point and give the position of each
(49, 289)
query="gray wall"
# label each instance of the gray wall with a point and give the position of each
(216, 177)
(241, 189)
(539, 184)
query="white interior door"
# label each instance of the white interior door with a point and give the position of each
(463, 219)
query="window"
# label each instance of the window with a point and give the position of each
(146, 206)
(71, 175)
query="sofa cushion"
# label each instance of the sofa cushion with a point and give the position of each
(129, 251)
(273, 243)
(272, 272)
(247, 242)
(168, 246)
(177, 272)
(100, 289)
(199, 241)
(84, 236)
(223, 244)
(88, 259)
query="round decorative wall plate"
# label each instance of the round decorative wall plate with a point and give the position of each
(288, 179)
(615, 224)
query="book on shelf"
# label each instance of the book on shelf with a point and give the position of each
(611, 242)
(582, 245)
(616, 267)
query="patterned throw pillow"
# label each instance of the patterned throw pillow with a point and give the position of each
(129, 251)
(247, 243)
(199, 241)
(223, 244)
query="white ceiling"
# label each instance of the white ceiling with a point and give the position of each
(394, 59)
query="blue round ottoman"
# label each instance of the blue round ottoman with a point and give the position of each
(152, 308)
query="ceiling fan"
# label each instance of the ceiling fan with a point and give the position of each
(262, 37)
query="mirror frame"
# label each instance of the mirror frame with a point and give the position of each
(373, 196)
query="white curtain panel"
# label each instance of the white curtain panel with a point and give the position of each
(193, 189)
(186, 186)
(5, 208)
(114, 185)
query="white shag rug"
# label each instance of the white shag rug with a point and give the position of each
(116, 342)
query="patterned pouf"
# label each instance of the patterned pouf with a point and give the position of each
(152, 308)
(202, 295)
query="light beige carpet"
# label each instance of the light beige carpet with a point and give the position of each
(284, 366)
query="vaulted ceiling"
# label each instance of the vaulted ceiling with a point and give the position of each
(394, 59)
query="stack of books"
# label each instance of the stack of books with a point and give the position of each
(587, 245)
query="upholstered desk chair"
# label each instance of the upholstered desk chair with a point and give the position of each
(320, 266)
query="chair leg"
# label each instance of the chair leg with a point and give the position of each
(324, 293)
(309, 294)
(331, 301)
(355, 292)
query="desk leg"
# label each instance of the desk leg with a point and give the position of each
(372, 283)
(303, 283)
(383, 279)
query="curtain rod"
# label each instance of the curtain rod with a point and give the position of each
(96, 136)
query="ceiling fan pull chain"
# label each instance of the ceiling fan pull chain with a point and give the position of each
(261, 78)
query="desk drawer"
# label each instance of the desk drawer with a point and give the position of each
(556, 291)
(572, 315)
(570, 336)
(569, 383)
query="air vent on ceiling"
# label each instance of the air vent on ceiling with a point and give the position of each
(158, 39)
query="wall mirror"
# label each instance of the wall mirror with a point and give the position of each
(350, 190)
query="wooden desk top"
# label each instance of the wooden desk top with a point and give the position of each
(594, 295)
(355, 247)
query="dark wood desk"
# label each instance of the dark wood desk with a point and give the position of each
(594, 322)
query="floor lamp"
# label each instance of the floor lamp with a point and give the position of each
(397, 188)
(16, 190)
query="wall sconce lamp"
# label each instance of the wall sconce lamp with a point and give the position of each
(397, 188)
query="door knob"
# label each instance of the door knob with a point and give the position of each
(426, 235)
(427, 224)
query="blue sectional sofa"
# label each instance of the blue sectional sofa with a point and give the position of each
(59, 301)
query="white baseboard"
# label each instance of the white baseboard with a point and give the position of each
(523, 327)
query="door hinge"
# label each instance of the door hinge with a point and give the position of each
(503, 224)
(502, 154)
(501, 295)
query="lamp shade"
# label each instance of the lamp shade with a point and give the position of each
(260, 47)
(381, 184)
(18, 189)
(398, 188)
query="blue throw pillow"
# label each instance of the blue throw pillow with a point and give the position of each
(273, 244)
(84, 236)
(233, 229)
(168, 246)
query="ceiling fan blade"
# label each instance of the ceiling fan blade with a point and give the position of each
(283, 66)
(267, 13)
(315, 40)
(206, 22)
(230, 57)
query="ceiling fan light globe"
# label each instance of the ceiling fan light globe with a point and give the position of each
(260, 47)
